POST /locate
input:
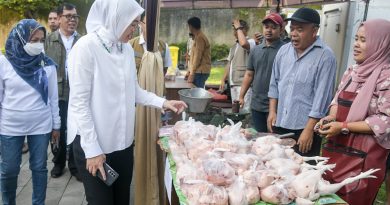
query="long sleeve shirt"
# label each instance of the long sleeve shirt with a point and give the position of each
(22, 110)
(302, 85)
(103, 94)
(200, 55)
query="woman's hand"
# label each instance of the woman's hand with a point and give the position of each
(174, 105)
(320, 124)
(331, 129)
(96, 163)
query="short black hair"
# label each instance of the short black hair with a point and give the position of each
(65, 6)
(54, 11)
(194, 22)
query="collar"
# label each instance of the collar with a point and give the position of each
(317, 43)
(275, 44)
(72, 36)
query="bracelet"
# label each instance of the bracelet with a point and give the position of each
(239, 28)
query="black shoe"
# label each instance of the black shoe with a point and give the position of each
(77, 176)
(57, 171)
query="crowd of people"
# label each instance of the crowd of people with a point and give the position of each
(79, 94)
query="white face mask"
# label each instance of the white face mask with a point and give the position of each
(33, 49)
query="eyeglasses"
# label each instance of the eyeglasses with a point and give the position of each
(70, 17)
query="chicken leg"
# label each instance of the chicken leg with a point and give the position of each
(324, 187)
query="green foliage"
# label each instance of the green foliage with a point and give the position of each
(29, 8)
(182, 47)
(219, 52)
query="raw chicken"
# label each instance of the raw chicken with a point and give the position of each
(261, 149)
(283, 166)
(179, 153)
(250, 178)
(236, 193)
(277, 194)
(276, 152)
(213, 195)
(218, 171)
(305, 184)
(185, 172)
(232, 139)
(324, 187)
(198, 147)
(266, 178)
(240, 162)
(219, 166)
(200, 192)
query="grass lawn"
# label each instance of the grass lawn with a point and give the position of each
(381, 198)
(215, 76)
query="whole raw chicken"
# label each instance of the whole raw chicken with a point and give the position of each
(218, 171)
(220, 166)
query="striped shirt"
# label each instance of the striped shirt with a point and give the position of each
(303, 86)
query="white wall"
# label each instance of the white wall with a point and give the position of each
(376, 9)
(379, 9)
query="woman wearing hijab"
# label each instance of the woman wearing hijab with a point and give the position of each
(359, 138)
(103, 95)
(29, 107)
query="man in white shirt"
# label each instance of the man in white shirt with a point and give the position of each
(58, 45)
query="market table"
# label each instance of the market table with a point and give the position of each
(178, 198)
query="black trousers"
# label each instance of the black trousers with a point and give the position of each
(259, 120)
(59, 155)
(97, 192)
(315, 148)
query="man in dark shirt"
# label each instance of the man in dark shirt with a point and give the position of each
(259, 70)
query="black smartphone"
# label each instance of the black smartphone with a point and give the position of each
(111, 175)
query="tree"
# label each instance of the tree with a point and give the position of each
(30, 8)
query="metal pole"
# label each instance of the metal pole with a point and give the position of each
(366, 10)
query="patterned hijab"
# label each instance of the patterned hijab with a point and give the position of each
(29, 68)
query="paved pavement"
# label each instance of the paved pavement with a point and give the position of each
(65, 190)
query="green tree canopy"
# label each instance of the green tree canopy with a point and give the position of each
(29, 8)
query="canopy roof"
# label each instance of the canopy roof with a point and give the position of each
(202, 4)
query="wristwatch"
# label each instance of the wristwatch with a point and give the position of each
(344, 129)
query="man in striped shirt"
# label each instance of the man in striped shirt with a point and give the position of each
(301, 87)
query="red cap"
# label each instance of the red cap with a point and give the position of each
(274, 17)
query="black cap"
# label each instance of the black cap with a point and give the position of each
(305, 15)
